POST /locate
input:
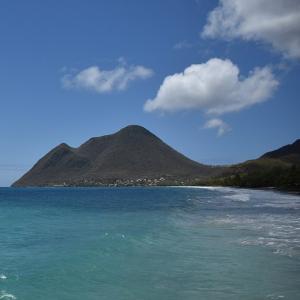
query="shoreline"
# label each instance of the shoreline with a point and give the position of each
(208, 187)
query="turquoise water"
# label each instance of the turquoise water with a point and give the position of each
(149, 243)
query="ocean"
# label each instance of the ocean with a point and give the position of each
(149, 243)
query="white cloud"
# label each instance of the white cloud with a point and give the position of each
(219, 124)
(102, 81)
(182, 45)
(214, 87)
(276, 22)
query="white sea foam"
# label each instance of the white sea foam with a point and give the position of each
(6, 296)
(3, 277)
(239, 197)
(198, 187)
(275, 297)
(279, 233)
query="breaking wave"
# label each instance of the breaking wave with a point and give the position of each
(7, 296)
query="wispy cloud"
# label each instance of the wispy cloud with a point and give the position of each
(218, 124)
(182, 45)
(103, 81)
(274, 22)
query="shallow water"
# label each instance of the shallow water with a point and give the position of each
(149, 243)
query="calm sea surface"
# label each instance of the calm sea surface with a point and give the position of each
(149, 243)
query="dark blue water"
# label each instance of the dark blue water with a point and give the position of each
(149, 243)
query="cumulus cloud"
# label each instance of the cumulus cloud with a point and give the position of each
(275, 22)
(214, 87)
(103, 81)
(219, 124)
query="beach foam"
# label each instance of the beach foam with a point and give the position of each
(3, 277)
(6, 296)
(242, 197)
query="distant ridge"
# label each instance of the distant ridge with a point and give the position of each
(279, 168)
(289, 153)
(130, 156)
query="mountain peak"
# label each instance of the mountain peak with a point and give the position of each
(133, 153)
(135, 129)
(64, 146)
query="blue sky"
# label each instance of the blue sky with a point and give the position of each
(70, 70)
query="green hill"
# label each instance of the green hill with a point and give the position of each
(279, 168)
(132, 156)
